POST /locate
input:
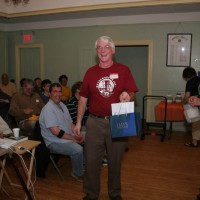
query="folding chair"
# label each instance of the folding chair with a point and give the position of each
(53, 157)
(43, 155)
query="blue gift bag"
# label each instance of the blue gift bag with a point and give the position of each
(138, 123)
(123, 125)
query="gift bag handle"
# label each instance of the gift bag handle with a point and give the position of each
(121, 108)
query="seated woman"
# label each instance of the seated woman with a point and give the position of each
(72, 103)
(45, 90)
(66, 91)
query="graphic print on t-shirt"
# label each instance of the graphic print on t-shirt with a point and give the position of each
(106, 86)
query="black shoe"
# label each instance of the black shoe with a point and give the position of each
(40, 175)
(127, 149)
(104, 162)
(116, 198)
(88, 198)
(190, 144)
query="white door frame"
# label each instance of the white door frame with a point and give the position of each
(18, 61)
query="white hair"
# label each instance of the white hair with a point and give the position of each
(105, 39)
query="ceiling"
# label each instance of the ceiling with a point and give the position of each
(104, 12)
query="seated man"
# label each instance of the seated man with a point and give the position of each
(7, 90)
(4, 104)
(37, 85)
(25, 106)
(57, 131)
(6, 86)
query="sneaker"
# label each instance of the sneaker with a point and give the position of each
(104, 162)
(190, 144)
(78, 178)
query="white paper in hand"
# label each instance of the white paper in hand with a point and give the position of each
(122, 108)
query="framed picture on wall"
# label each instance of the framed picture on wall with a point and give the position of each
(179, 50)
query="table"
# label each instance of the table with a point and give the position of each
(29, 145)
(3, 153)
(175, 113)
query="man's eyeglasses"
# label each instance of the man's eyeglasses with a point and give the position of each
(107, 47)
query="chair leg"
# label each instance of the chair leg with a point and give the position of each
(56, 167)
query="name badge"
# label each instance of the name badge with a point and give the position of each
(114, 76)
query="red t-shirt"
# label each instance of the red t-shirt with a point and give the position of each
(103, 87)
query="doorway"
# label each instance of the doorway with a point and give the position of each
(138, 56)
(29, 62)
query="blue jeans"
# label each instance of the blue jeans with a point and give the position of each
(72, 149)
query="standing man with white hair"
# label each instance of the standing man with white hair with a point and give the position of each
(103, 84)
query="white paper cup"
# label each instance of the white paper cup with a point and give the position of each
(16, 132)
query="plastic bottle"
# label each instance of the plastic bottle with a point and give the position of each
(178, 98)
(169, 98)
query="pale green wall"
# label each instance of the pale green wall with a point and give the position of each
(61, 47)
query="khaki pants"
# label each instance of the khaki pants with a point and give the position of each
(97, 141)
(196, 130)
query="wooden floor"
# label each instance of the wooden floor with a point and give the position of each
(152, 170)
